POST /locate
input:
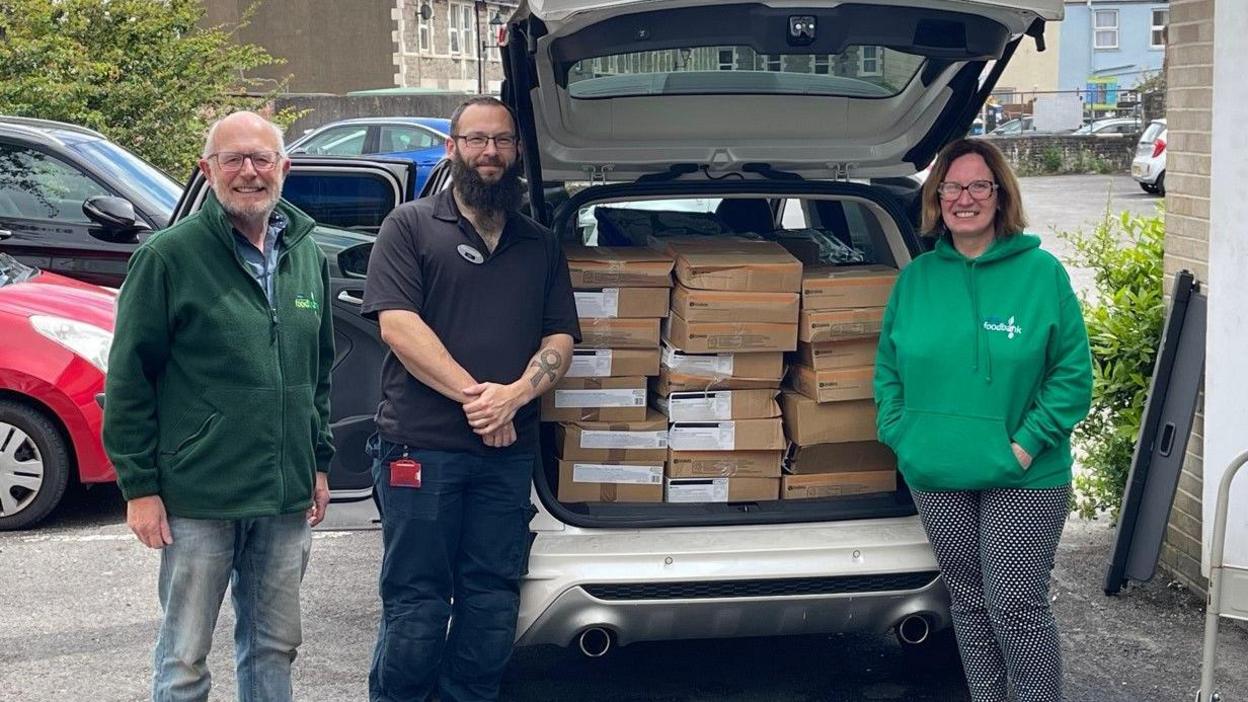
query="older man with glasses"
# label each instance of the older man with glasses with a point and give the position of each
(217, 417)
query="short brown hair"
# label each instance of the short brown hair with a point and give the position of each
(486, 100)
(1009, 218)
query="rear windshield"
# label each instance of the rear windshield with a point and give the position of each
(1154, 130)
(863, 71)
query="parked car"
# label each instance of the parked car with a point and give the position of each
(421, 140)
(1014, 127)
(57, 332)
(1112, 125)
(1149, 165)
(74, 203)
(610, 121)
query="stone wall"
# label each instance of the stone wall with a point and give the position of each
(1045, 154)
(1189, 118)
(323, 109)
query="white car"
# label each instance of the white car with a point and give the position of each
(760, 107)
(1149, 166)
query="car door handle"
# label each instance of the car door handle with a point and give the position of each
(348, 297)
(5, 234)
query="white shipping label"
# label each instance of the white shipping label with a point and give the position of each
(592, 364)
(720, 436)
(626, 397)
(694, 364)
(700, 407)
(598, 305)
(593, 439)
(702, 490)
(620, 475)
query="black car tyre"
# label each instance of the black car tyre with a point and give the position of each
(34, 465)
(1160, 186)
(1147, 188)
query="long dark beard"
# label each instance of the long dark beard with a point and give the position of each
(488, 198)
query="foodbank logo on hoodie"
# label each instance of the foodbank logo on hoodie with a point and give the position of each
(1008, 326)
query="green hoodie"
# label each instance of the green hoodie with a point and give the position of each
(216, 401)
(975, 354)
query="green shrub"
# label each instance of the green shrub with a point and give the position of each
(1124, 315)
(1051, 160)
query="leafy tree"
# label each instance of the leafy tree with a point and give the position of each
(147, 73)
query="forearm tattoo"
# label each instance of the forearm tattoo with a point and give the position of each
(548, 364)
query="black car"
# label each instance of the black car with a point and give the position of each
(73, 202)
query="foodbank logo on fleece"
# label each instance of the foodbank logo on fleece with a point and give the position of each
(993, 323)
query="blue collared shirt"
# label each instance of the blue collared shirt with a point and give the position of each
(263, 266)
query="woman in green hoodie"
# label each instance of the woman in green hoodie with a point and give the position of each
(983, 371)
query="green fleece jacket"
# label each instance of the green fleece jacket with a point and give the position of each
(216, 401)
(975, 354)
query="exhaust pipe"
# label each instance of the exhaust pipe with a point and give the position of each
(594, 642)
(913, 630)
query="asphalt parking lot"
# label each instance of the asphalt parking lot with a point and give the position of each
(78, 611)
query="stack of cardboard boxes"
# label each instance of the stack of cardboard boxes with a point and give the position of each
(612, 446)
(734, 314)
(829, 415)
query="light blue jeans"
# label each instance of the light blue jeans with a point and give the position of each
(262, 560)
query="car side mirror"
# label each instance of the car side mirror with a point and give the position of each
(353, 261)
(119, 224)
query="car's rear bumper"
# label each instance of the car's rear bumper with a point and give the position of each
(1146, 170)
(651, 585)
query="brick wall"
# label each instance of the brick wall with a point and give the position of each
(1189, 99)
(1041, 154)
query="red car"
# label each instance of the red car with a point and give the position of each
(55, 333)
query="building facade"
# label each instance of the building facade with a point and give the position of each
(1108, 46)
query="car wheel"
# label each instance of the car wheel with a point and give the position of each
(34, 466)
(1160, 186)
(1147, 188)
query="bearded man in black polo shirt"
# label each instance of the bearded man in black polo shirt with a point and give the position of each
(475, 301)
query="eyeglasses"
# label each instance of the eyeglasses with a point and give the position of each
(231, 161)
(979, 189)
(479, 141)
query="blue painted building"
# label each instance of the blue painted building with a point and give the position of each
(1108, 46)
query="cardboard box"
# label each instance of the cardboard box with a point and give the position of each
(596, 400)
(725, 306)
(724, 464)
(712, 337)
(605, 363)
(715, 405)
(626, 303)
(756, 365)
(807, 422)
(669, 382)
(831, 325)
(848, 353)
(847, 287)
(620, 333)
(736, 264)
(853, 457)
(594, 267)
(833, 385)
(612, 442)
(727, 435)
(687, 490)
(800, 487)
(610, 482)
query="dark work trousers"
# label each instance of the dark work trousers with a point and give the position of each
(995, 549)
(454, 551)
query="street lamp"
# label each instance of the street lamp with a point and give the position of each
(496, 22)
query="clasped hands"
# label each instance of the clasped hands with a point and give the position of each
(490, 409)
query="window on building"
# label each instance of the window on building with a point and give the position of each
(1105, 29)
(1161, 20)
(468, 29)
(869, 61)
(452, 19)
(727, 59)
(823, 64)
(424, 31)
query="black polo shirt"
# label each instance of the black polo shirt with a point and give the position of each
(490, 310)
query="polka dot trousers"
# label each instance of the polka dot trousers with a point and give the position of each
(995, 549)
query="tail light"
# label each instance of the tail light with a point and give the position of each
(1159, 145)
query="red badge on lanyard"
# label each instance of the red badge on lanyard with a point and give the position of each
(404, 472)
